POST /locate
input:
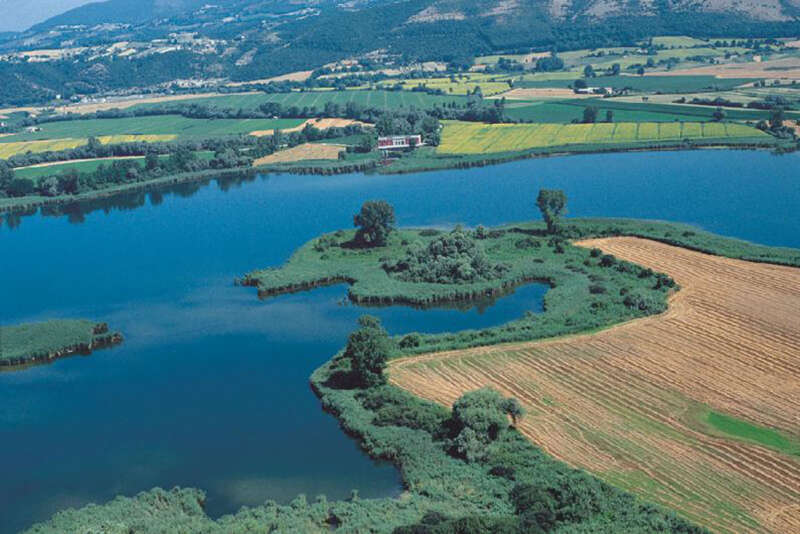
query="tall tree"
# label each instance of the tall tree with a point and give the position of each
(368, 349)
(376, 222)
(553, 204)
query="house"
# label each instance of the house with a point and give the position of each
(399, 142)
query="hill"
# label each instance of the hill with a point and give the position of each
(117, 45)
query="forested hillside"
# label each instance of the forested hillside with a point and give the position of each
(109, 46)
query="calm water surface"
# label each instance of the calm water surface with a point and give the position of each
(210, 388)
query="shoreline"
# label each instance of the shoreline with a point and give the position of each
(23, 204)
(103, 339)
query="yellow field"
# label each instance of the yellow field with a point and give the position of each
(304, 152)
(631, 403)
(11, 149)
(477, 138)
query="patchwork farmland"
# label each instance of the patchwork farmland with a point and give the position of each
(380, 99)
(8, 149)
(477, 138)
(695, 409)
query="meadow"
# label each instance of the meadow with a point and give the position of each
(176, 126)
(627, 403)
(477, 138)
(662, 84)
(386, 100)
(460, 85)
(567, 110)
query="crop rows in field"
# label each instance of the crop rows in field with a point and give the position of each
(477, 138)
(630, 403)
(22, 147)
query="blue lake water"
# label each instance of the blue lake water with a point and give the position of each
(210, 388)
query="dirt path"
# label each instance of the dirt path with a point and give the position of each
(626, 403)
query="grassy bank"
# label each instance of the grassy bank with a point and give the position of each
(440, 485)
(31, 343)
(588, 291)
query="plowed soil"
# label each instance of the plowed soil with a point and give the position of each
(623, 403)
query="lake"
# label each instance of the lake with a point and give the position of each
(210, 388)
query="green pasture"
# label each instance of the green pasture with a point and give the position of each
(183, 127)
(380, 99)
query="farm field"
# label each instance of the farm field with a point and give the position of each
(695, 409)
(85, 165)
(477, 138)
(172, 125)
(648, 83)
(460, 85)
(624, 109)
(368, 98)
(306, 151)
(8, 149)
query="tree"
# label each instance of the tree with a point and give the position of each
(376, 221)
(615, 69)
(589, 115)
(512, 407)
(19, 187)
(553, 204)
(718, 114)
(580, 84)
(588, 72)
(776, 118)
(640, 71)
(609, 116)
(368, 348)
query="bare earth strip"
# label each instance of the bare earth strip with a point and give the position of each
(307, 151)
(623, 403)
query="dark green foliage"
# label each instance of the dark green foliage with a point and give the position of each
(395, 407)
(449, 259)
(368, 348)
(376, 221)
(590, 115)
(553, 204)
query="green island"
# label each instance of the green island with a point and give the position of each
(31, 343)
(467, 470)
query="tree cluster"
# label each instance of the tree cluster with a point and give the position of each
(452, 258)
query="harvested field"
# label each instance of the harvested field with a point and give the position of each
(306, 151)
(631, 404)
(320, 124)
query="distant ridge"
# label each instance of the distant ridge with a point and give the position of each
(120, 11)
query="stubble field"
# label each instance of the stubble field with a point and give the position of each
(696, 409)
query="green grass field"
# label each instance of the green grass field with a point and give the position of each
(477, 138)
(318, 99)
(572, 109)
(734, 427)
(662, 84)
(176, 125)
